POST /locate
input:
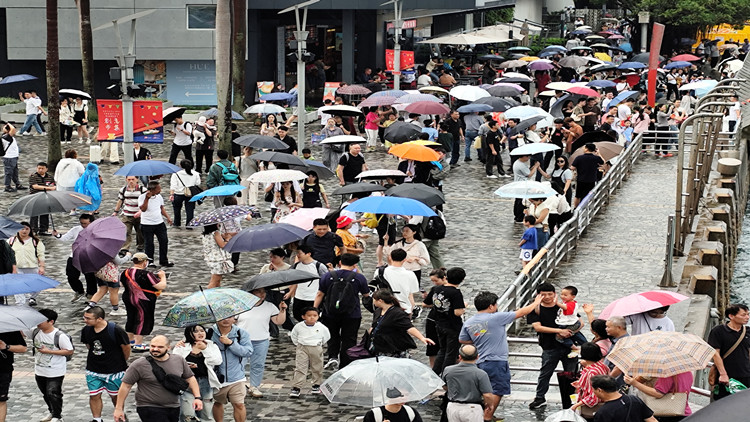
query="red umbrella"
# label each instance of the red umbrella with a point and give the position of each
(685, 58)
(427, 107)
(582, 90)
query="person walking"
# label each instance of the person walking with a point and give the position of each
(332, 152)
(202, 355)
(392, 330)
(448, 302)
(472, 122)
(10, 153)
(29, 251)
(403, 283)
(140, 291)
(41, 181)
(247, 167)
(308, 336)
(130, 213)
(218, 261)
(153, 214)
(454, 126)
(732, 344)
(52, 349)
(68, 171)
(586, 167)
(10, 343)
(323, 243)
(153, 400)
(73, 273)
(203, 133)
(180, 193)
(494, 151)
(304, 293)
(222, 172)
(350, 165)
(32, 106)
(417, 255)
(182, 140)
(235, 346)
(467, 387)
(90, 184)
(81, 118)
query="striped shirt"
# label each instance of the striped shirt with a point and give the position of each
(38, 179)
(129, 198)
(585, 392)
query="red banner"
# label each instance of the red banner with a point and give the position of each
(109, 113)
(407, 59)
(657, 34)
(148, 126)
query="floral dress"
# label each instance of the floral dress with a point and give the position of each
(218, 260)
(284, 208)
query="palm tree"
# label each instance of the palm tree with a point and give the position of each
(54, 150)
(87, 46)
(239, 42)
(223, 73)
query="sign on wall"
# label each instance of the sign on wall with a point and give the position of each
(191, 82)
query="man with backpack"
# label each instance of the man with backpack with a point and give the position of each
(108, 351)
(338, 294)
(183, 140)
(400, 281)
(221, 173)
(323, 243)
(52, 350)
(393, 412)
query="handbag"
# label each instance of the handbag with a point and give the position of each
(713, 373)
(109, 273)
(478, 142)
(189, 191)
(590, 412)
(670, 404)
(362, 349)
(171, 382)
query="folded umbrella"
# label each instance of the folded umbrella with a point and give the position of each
(14, 284)
(400, 132)
(427, 195)
(416, 152)
(277, 176)
(526, 189)
(304, 217)
(213, 112)
(661, 354)
(277, 157)
(608, 150)
(260, 142)
(265, 108)
(391, 205)
(147, 168)
(98, 244)
(19, 318)
(208, 306)
(641, 302)
(48, 202)
(534, 148)
(427, 107)
(219, 215)
(278, 279)
(8, 227)
(265, 236)
(361, 187)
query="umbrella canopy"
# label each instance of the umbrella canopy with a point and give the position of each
(559, 86)
(529, 58)
(541, 65)
(361, 187)
(497, 104)
(171, 113)
(602, 83)
(519, 48)
(603, 67)
(503, 91)
(685, 58)
(265, 236)
(319, 168)
(277, 157)
(414, 152)
(582, 90)
(223, 190)
(14, 284)
(208, 306)
(98, 243)
(74, 93)
(380, 174)
(582, 48)
(516, 75)
(413, 98)
(437, 89)
(17, 78)
(219, 215)
(661, 354)
(525, 112)
(526, 123)
(260, 141)
(677, 65)
(591, 138)
(278, 279)
(474, 108)
(379, 381)
(572, 61)
(461, 39)
(277, 96)
(19, 318)
(391, 205)
(427, 195)
(265, 108)
(344, 139)
(468, 92)
(632, 65)
(581, 31)
(491, 57)
(512, 64)
(565, 415)
(641, 302)
(608, 150)
(427, 107)
(353, 90)
(147, 168)
(48, 202)
(276, 176)
(400, 132)
(622, 97)
(389, 93)
(341, 110)
(534, 148)
(213, 112)
(373, 101)
(643, 57)
(304, 217)
(526, 189)
(8, 227)
(705, 84)
(603, 56)
(731, 408)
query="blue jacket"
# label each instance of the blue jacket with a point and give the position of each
(233, 366)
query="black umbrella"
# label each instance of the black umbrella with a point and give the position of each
(732, 408)
(278, 279)
(643, 58)
(361, 187)
(172, 113)
(556, 109)
(400, 132)
(515, 80)
(603, 67)
(278, 157)
(503, 91)
(590, 138)
(525, 124)
(425, 194)
(498, 104)
(48, 202)
(319, 168)
(260, 141)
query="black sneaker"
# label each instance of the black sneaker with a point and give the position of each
(20, 187)
(538, 403)
(315, 389)
(10, 190)
(468, 159)
(416, 312)
(294, 393)
(168, 265)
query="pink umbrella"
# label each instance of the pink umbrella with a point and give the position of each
(582, 90)
(685, 58)
(641, 302)
(383, 100)
(427, 107)
(616, 37)
(304, 217)
(540, 65)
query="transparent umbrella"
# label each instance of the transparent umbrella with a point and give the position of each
(526, 189)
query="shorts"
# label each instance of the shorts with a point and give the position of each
(526, 254)
(100, 282)
(233, 393)
(5, 379)
(583, 189)
(499, 373)
(98, 383)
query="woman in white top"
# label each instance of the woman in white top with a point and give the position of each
(29, 251)
(201, 355)
(247, 167)
(270, 127)
(562, 175)
(179, 182)
(539, 210)
(68, 171)
(66, 121)
(416, 251)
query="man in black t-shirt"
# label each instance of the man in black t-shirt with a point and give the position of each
(10, 344)
(285, 138)
(351, 165)
(586, 167)
(324, 243)
(109, 350)
(454, 126)
(448, 303)
(556, 137)
(618, 407)
(493, 151)
(543, 321)
(722, 338)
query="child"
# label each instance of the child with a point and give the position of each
(528, 241)
(308, 335)
(567, 318)
(307, 154)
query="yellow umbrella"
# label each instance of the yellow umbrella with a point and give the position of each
(529, 58)
(603, 56)
(424, 143)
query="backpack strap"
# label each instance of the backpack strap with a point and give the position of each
(409, 412)
(111, 331)
(33, 337)
(377, 414)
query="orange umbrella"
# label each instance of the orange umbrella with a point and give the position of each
(414, 152)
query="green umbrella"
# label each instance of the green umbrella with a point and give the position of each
(208, 306)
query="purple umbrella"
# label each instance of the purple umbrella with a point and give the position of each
(98, 243)
(540, 65)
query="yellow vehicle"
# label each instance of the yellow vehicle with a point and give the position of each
(727, 34)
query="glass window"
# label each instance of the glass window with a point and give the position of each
(201, 16)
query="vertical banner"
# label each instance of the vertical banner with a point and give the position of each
(329, 92)
(148, 125)
(407, 59)
(110, 120)
(653, 61)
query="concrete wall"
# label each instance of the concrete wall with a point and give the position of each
(528, 9)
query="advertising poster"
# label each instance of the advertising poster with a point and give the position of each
(329, 93)
(110, 120)
(147, 121)
(407, 59)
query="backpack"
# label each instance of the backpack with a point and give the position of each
(56, 342)
(229, 175)
(371, 220)
(341, 297)
(435, 228)
(317, 267)
(378, 413)
(110, 330)
(380, 282)
(3, 150)
(188, 127)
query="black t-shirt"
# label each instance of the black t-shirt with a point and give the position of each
(291, 143)
(401, 416)
(323, 247)
(587, 167)
(624, 409)
(557, 137)
(445, 300)
(546, 316)
(6, 357)
(493, 138)
(201, 370)
(723, 338)
(352, 166)
(454, 128)
(105, 351)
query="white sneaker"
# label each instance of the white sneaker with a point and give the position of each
(255, 392)
(56, 420)
(47, 418)
(26, 134)
(491, 176)
(118, 312)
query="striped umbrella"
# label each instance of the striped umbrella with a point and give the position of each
(661, 354)
(353, 90)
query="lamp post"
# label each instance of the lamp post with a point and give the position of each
(126, 61)
(300, 35)
(397, 24)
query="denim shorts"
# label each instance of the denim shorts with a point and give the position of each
(499, 373)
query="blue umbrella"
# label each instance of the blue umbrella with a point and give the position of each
(265, 236)
(632, 65)
(147, 168)
(622, 97)
(17, 78)
(391, 205)
(16, 284)
(474, 108)
(603, 83)
(8, 227)
(677, 65)
(224, 190)
(277, 96)
(214, 112)
(581, 31)
(626, 47)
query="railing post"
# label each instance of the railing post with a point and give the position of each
(666, 279)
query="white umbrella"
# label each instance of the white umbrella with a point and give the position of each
(433, 89)
(19, 318)
(462, 39)
(469, 92)
(379, 381)
(344, 139)
(516, 75)
(534, 148)
(273, 176)
(527, 112)
(547, 93)
(75, 93)
(559, 86)
(265, 108)
(380, 174)
(526, 189)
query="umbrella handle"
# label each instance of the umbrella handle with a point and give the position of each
(52, 222)
(210, 309)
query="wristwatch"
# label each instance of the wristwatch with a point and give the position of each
(199, 398)
(7, 346)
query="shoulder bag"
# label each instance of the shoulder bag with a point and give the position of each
(171, 382)
(713, 373)
(189, 191)
(670, 404)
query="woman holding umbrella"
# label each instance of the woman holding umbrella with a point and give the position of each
(141, 289)
(29, 251)
(81, 118)
(391, 332)
(90, 184)
(286, 200)
(218, 260)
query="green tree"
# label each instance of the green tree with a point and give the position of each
(87, 46)
(494, 16)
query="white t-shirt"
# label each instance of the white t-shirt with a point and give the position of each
(180, 139)
(643, 323)
(152, 216)
(402, 281)
(424, 80)
(733, 112)
(255, 321)
(623, 111)
(47, 365)
(10, 148)
(309, 289)
(30, 106)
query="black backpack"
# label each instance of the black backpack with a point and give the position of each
(435, 228)
(380, 282)
(341, 298)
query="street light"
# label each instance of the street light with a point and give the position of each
(396, 39)
(126, 63)
(301, 36)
